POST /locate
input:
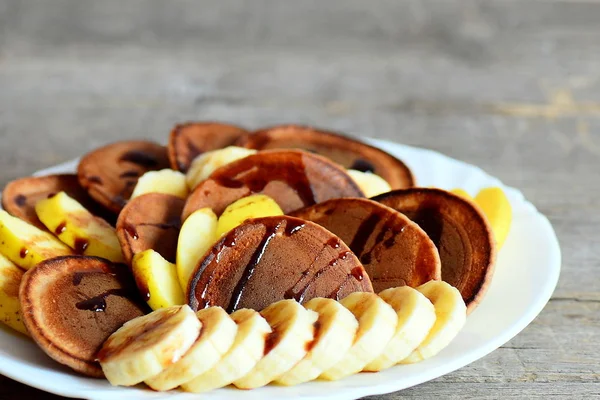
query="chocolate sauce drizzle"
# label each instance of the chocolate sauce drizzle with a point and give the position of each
(20, 200)
(257, 177)
(98, 303)
(81, 245)
(139, 157)
(61, 228)
(362, 165)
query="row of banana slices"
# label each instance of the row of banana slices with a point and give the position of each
(286, 343)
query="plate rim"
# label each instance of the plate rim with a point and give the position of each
(545, 293)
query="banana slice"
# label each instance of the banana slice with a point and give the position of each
(206, 163)
(335, 331)
(370, 183)
(416, 316)
(376, 325)
(497, 209)
(79, 228)
(451, 315)
(215, 339)
(198, 234)
(247, 349)
(293, 331)
(165, 181)
(145, 346)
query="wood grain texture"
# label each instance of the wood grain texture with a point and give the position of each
(511, 86)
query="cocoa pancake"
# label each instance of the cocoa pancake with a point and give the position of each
(72, 304)
(110, 173)
(265, 260)
(459, 230)
(20, 196)
(187, 141)
(348, 152)
(394, 250)
(293, 178)
(150, 221)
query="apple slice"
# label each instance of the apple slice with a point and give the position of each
(27, 245)
(156, 278)
(78, 228)
(10, 306)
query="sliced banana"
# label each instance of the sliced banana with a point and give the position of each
(371, 184)
(335, 331)
(145, 346)
(293, 331)
(165, 181)
(416, 316)
(206, 163)
(376, 325)
(451, 315)
(247, 349)
(198, 234)
(215, 339)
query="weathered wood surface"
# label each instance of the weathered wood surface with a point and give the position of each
(511, 86)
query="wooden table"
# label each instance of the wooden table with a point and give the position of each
(511, 86)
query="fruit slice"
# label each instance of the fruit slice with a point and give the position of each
(110, 173)
(198, 234)
(394, 250)
(451, 315)
(498, 211)
(247, 349)
(346, 151)
(189, 140)
(215, 339)
(253, 206)
(156, 279)
(369, 183)
(268, 259)
(416, 316)
(26, 245)
(460, 231)
(72, 304)
(204, 165)
(462, 193)
(145, 346)
(20, 196)
(10, 306)
(335, 331)
(376, 325)
(164, 181)
(293, 332)
(294, 179)
(151, 221)
(78, 228)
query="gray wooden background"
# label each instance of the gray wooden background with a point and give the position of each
(512, 86)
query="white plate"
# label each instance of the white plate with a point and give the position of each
(526, 275)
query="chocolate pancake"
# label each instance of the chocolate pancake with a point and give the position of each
(345, 151)
(393, 249)
(189, 140)
(459, 230)
(72, 304)
(150, 221)
(293, 178)
(20, 196)
(110, 173)
(265, 260)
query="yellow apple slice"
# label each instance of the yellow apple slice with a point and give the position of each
(198, 234)
(10, 306)
(253, 206)
(78, 228)
(498, 211)
(26, 245)
(165, 181)
(156, 279)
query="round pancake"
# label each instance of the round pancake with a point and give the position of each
(265, 260)
(20, 197)
(459, 230)
(187, 141)
(150, 221)
(348, 152)
(110, 173)
(293, 178)
(394, 250)
(72, 304)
